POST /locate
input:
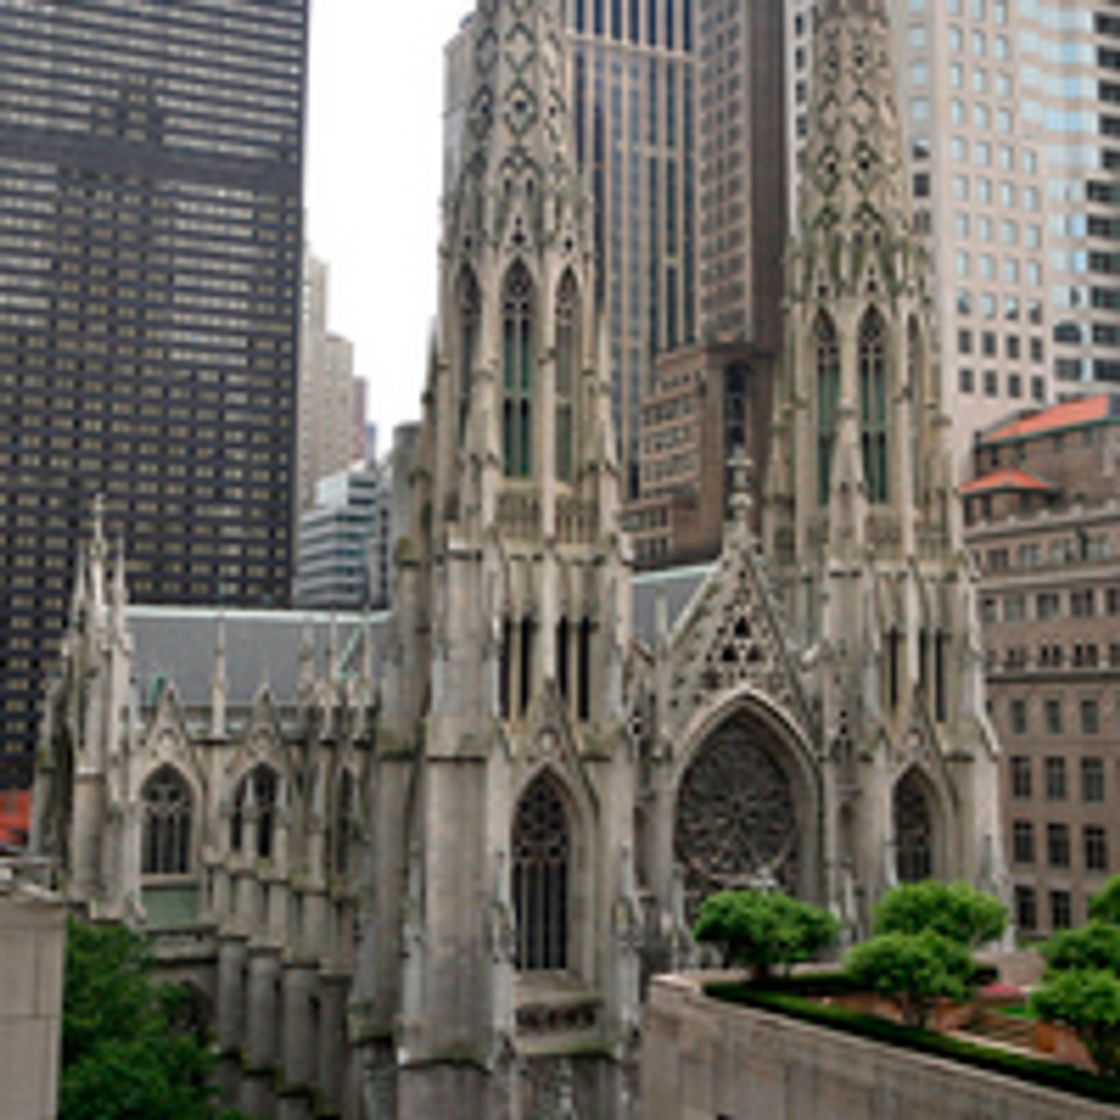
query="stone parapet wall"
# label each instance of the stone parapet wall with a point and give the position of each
(705, 1060)
(32, 940)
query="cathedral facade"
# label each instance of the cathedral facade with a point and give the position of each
(432, 880)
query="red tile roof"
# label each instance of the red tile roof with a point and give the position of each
(1068, 414)
(1010, 478)
(15, 817)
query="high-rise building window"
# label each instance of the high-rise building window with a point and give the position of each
(1022, 784)
(1055, 778)
(1090, 717)
(1026, 908)
(1057, 845)
(1061, 910)
(1054, 721)
(1096, 848)
(1092, 780)
(1022, 842)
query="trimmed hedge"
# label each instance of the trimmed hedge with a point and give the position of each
(1050, 1075)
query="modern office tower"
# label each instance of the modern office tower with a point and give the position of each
(150, 233)
(361, 450)
(633, 103)
(1010, 109)
(704, 401)
(326, 388)
(743, 187)
(1043, 522)
(336, 556)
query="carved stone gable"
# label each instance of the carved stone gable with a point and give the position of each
(732, 636)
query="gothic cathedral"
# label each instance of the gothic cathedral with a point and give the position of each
(432, 882)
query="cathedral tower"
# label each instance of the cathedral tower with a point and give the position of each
(502, 736)
(862, 518)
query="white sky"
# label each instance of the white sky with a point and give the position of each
(374, 163)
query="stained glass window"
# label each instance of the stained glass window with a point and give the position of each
(828, 401)
(541, 878)
(873, 405)
(167, 824)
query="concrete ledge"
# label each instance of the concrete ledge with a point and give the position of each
(706, 1060)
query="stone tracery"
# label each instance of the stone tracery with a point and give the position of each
(736, 821)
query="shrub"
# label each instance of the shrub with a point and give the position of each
(1092, 947)
(122, 1056)
(912, 968)
(1105, 905)
(956, 911)
(762, 929)
(1089, 1002)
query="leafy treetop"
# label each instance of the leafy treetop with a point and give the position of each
(1088, 1000)
(956, 911)
(764, 929)
(123, 1056)
(1105, 905)
(913, 968)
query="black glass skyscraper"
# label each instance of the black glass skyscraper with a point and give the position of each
(150, 238)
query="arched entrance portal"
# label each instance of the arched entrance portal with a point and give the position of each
(913, 829)
(737, 815)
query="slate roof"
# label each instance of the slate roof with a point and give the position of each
(176, 644)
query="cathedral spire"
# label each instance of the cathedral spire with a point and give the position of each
(854, 227)
(518, 150)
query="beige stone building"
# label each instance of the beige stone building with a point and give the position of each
(1043, 511)
(420, 864)
(327, 388)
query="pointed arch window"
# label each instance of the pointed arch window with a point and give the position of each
(256, 800)
(828, 402)
(343, 823)
(517, 373)
(916, 375)
(567, 351)
(541, 846)
(166, 839)
(913, 830)
(873, 404)
(470, 318)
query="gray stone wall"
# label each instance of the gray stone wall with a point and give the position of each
(703, 1060)
(32, 938)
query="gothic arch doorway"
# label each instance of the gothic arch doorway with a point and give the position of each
(743, 813)
(914, 832)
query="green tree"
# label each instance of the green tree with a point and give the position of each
(123, 1054)
(1088, 1001)
(1104, 906)
(957, 911)
(1095, 946)
(763, 929)
(914, 969)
